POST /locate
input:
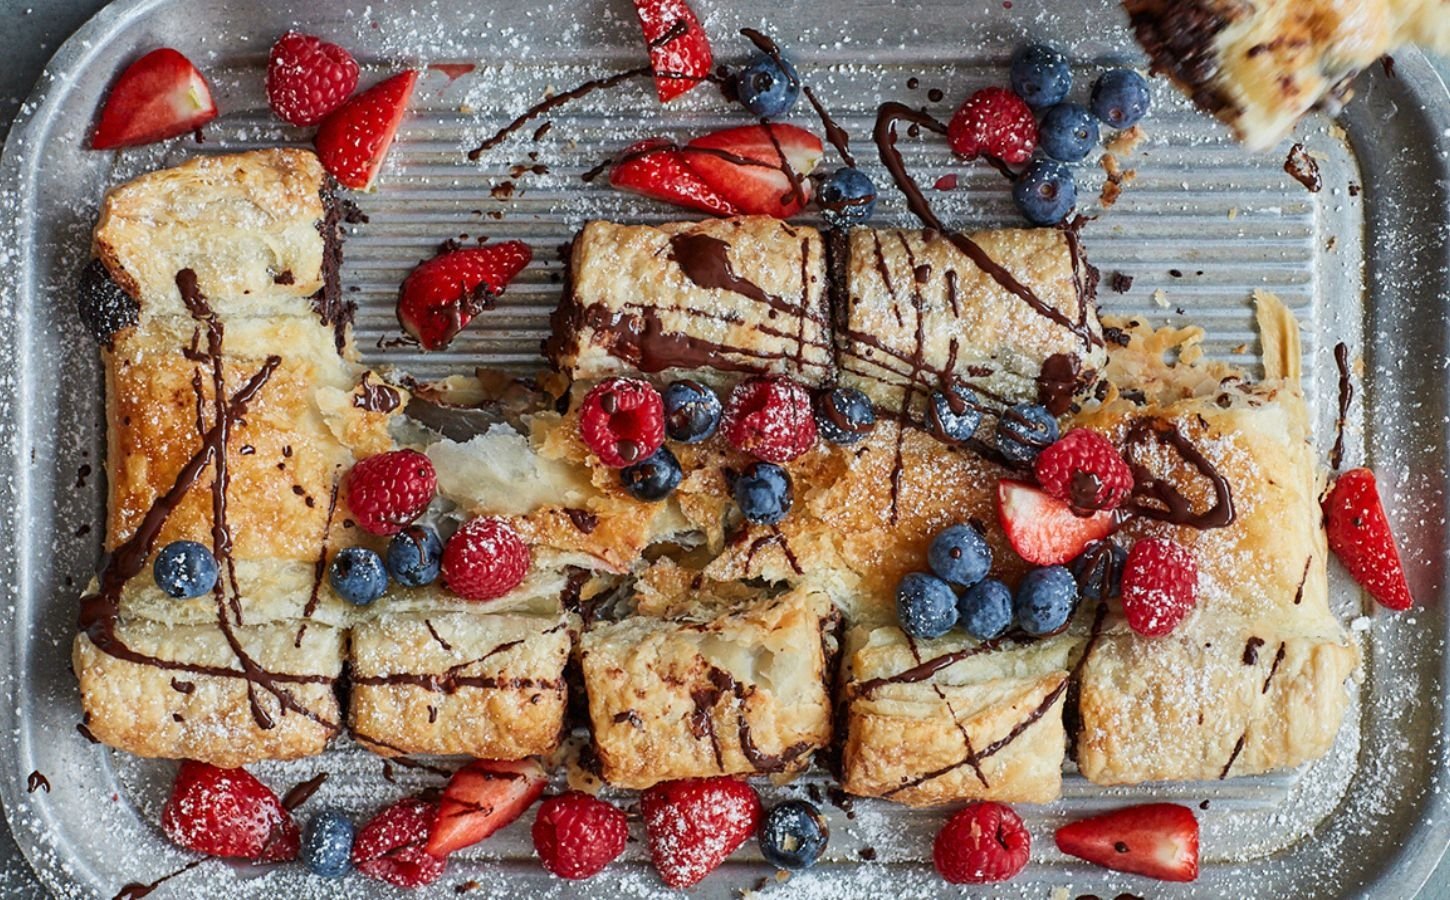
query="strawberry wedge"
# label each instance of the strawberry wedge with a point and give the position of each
(656, 168)
(1159, 840)
(353, 141)
(1359, 534)
(759, 169)
(159, 96)
(442, 295)
(1044, 530)
(481, 798)
(679, 52)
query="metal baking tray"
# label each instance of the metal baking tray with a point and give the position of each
(1363, 261)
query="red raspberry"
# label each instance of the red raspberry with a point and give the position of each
(227, 812)
(770, 418)
(983, 842)
(1160, 586)
(576, 835)
(695, 823)
(307, 78)
(623, 421)
(485, 559)
(994, 122)
(390, 846)
(1084, 470)
(388, 491)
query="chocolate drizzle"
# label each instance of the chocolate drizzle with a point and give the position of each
(1346, 394)
(1155, 498)
(1278, 658)
(551, 103)
(302, 792)
(926, 669)
(36, 782)
(453, 678)
(583, 520)
(135, 890)
(1238, 748)
(702, 724)
(375, 398)
(1303, 169)
(1251, 650)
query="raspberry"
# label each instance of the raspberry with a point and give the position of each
(307, 78)
(623, 421)
(576, 835)
(771, 419)
(1160, 586)
(994, 122)
(388, 491)
(1084, 470)
(227, 812)
(390, 846)
(984, 842)
(484, 559)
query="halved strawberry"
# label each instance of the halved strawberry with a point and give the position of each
(228, 812)
(1359, 534)
(1159, 840)
(656, 168)
(159, 96)
(677, 46)
(442, 295)
(481, 798)
(355, 138)
(748, 166)
(1044, 530)
(390, 846)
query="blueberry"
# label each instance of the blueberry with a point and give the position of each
(846, 198)
(415, 556)
(985, 610)
(184, 569)
(926, 606)
(763, 493)
(358, 576)
(960, 555)
(1045, 600)
(1040, 74)
(1120, 98)
(327, 844)
(104, 307)
(692, 412)
(793, 835)
(1045, 193)
(1024, 431)
(653, 478)
(1101, 561)
(954, 418)
(844, 415)
(766, 87)
(1067, 132)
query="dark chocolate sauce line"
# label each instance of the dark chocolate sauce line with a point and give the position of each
(642, 340)
(319, 567)
(452, 678)
(1278, 658)
(1167, 503)
(971, 751)
(705, 260)
(918, 355)
(731, 319)
(36, 782)
(834, 132)
(926, 669)
(135, 890)
(778, 539)
(797, 190)
(1303, 579)
(551, 103)
(1238, 748)
(1346, 394)
(447, 647)
(303, 791)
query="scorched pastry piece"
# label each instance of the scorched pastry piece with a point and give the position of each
(1260, 66)
(717, 298)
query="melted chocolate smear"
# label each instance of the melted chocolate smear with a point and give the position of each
(583, 520)
(1164, 502)
(1120, 283)
(1303, 169)
(86, 733)
(303, 792)
(37, 782)
(1061, 378)
(1346, 395)
(375, 397)
(837, 135)
(135, 890)
(1251, 650)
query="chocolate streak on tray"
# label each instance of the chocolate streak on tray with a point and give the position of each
(1303, 169)
(303, 791)
(1346, 394)
(135, 890)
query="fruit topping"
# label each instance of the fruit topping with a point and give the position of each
(623, 421)
(953, 416)
(104, 307)
(415, 556)
(1045, 193)
(692, 412)
(1159, 840)
(770, 418)
(1085, 470)
(768, 86)
(679, 51)
(388, 491)
(1099, 570)
(1045, 600)
(652, 479)
(484, 559)
(1160, 586)
(847, 197)
(1360, 536)
(763, 493)
(354, 139)
(1044, 530)
(307, 78)
(1067, 132)
(844, 416)
(481, 798)
(184, 569)
(577, 835)
(358, 575)
(959, 555)
(985, 610)
(1120, 98)
(228, 812)
(1040, 75)
(1024, 431)
(926, 606)
(758, 169)
(327, 844)
(159, 96)
(442, 295)
(793, 835)
(656, 168)
(993, 122)
(390, 846)
(981, 843)
(694, 824)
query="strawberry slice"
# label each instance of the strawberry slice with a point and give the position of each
(747, 166)
(481, 798)
(695, 823)
(442, 295)
(656, 168)
(390, 846)
(354, 139)
(1159, 840)
(677, 46)
(228, 812)
(1359, 534)
(1044, 530)
(159, 96)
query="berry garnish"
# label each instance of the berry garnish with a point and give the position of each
(793, 835)
(750, 187)
(481, 798)
(484, 559)
(1160, 586)
(415, 556)
(307, 78)
(227, 812)
(983, 842)
(763, 493)
(694, 824)
(1045, 600)
(994, 122)
(104, 307)
(442, 295)
(1044, 530)
(388, 491)
(768, 86)
(844, 416)
(1045, 193)
(1120, 98)
(1159, 840)
(959, 555)
(1024, 431)
(358, 575)
(770, 418)
(184, 569)
(656, 168)
(1085, 470)
(847, 197)
(692, 412)
(623, 421)
(985, 610)
(327, 844)
(577, 835)
(953, 416)
(926, 606)
(1099, 570)
(1040, 75)
(355, 138)
(679, 51)
(159, 96)
(652, 479)
(1360, 536)
(390, 846)
(1067, 132)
